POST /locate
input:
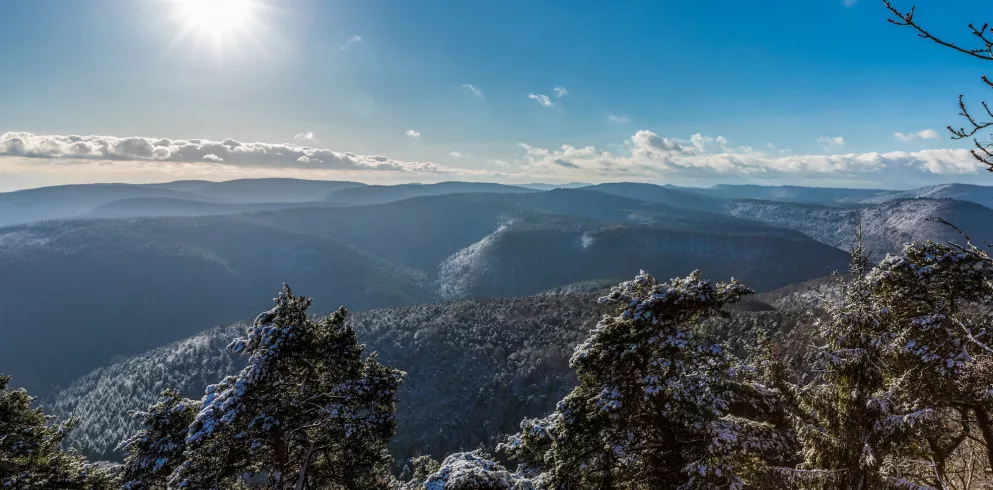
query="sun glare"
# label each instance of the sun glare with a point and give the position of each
(218, 21)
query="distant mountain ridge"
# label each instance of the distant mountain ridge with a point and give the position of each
(888, 226)
(76, 201)
(381, 194)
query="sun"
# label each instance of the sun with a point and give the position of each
(218, 21)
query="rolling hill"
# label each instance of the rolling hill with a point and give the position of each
(77, 293)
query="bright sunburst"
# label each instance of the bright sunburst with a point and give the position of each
(221, 22)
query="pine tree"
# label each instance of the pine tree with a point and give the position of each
(307, 412)
(155, 451)
(31, 452)
(846, 431)
(659, 403)
(936, 348)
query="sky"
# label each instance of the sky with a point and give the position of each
(813, 92)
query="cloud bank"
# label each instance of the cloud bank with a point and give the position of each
(192, 151)
(649, 156)
(645, 156)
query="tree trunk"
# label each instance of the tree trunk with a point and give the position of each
(985, 424)
(279, 448)
(303, 469)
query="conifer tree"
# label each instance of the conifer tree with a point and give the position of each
(659, 403)
(307, 412)
(31, 452)
(155, 451)
(848, 440)
(936, 344)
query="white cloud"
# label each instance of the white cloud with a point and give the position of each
(351, 41)
(496, 161)
(924, 134)
(455, 154)
(542, 99)
(831, 142)
(308, 137)
(649, 156)
(618, 119)
(474, 89)
(560, 92)
(228, 153)
(849, 3)
(413, 133)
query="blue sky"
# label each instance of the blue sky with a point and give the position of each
(778, 91)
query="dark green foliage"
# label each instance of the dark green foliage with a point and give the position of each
(932, 298)
(155, 450)
(842, 424)
(308, 411)
(31, 452)
(659, 404)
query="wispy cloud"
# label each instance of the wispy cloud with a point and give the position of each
(924, 134)
(413, 133)
(618, 119)
(497, 161)
(351, 41)
(455, 154)
(849, 3)
(474, 89)
(542, 99)
(831, 142)
(69, 150)
(560, 92)
(306, 137)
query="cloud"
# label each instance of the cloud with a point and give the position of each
(649, 156)
(455, 154)
(560, 92)
(351, 41)
(831, 142)
(849, 3)
(924, 134)
(474, 89)
(496, 161)
(413, 133)
(75, 149)
(618, 119)
(542, 99)
(308, 137)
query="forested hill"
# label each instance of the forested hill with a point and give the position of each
(79, 292)
(475, 368)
